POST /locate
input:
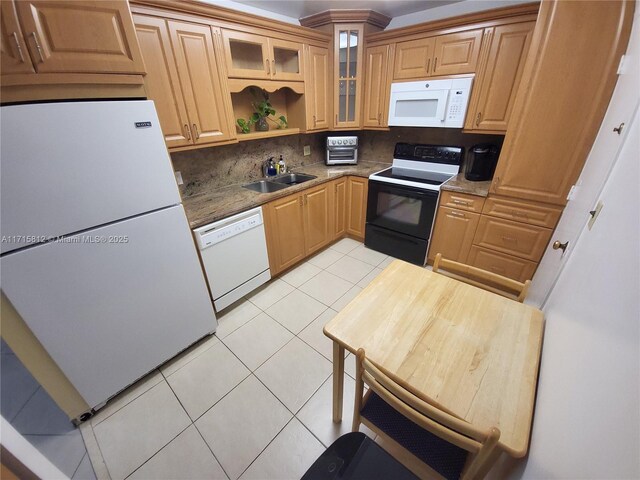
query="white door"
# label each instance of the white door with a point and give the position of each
(113, 303)
(603, 155)
(67, 167)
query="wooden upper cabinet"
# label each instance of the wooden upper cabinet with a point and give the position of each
(80, 36)
(256, 56)
(14, 55)
(201, 82)
(414, 58)
(161, 82)
(567, 83)
(286, 60)
(376, 87)
(498, 83)
(317, 89)
(457, 52)
(348, 52)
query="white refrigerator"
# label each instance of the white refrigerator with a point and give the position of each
(97, 254)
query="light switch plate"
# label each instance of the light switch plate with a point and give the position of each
(306, 150)
(594, 214)
(179, 178)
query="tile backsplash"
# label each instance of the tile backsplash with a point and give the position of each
(210, 168)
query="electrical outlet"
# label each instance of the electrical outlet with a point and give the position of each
(179, 178)
(306, 150)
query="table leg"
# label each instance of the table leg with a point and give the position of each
(338, 381)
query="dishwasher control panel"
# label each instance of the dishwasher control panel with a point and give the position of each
(230, 227)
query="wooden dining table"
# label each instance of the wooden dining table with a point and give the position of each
(467, 351)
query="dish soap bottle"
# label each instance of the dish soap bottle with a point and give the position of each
(282, 168)
(271, 168)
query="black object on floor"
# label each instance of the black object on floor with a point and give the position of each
(354, 456)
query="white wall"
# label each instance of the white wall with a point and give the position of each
(587, 419)
(452, 10)
(253, 10)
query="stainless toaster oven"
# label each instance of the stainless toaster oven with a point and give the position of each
(342, 150)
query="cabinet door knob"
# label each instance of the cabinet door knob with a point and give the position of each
(478, 117)
(38, 47)
(273, 64)
(195, 131)
(562, 246)
(18, 47)
(268, 67)
(187, 131)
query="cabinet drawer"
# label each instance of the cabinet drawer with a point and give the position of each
(501, 263)
(461, 201)
(514, 238)
(526, 212)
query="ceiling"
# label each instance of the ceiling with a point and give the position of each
(303, 8)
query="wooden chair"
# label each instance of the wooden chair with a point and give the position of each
(449, 445)
(490, 281)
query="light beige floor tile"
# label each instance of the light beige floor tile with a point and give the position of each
(350, 269)
(130, 394)
(367, 280)
(129, 437)
(288, 456)
(234, 316)
(206, 379)
(385, 263)
(350, 365)
(294, 373)
(326, 287)
(269, 293)
(242, 424)
(296, 310)
(300, 274)
(186, 457)
(189, 354)
(326, 258)
(314, 336)
(317, 414)
(344, 300)
(257, 340)
(367, 255)
(345, 245)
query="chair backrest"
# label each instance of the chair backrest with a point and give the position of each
(481, 443)
(490, 281)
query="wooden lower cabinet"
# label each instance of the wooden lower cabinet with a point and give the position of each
(501, 263)
(298, 225)
(453, 234)
(318, 217)
(357, 206)
(513, 238)
(339, 208)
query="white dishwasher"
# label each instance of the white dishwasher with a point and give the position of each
(234, 256)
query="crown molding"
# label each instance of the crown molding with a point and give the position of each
(346, 16)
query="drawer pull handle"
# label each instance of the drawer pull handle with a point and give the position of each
(195, 132)
(458, 214)
(428, 65)
(187, 131)
(38, 47)
(18, 47)
(509, 239)
(268, 67)
(460, 202)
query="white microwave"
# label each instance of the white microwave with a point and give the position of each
(430, 103)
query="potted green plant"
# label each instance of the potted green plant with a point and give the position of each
(263, 111)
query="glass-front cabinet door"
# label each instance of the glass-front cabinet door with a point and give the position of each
(255, 56)
(348, 67)
(247, 55)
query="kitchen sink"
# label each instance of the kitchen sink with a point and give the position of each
(293, 178)
(263, 186)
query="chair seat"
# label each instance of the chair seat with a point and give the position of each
(446, 459)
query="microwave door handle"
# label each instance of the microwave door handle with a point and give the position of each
(442, 105)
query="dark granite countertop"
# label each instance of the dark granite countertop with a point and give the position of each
(204, 208)
(462, 185)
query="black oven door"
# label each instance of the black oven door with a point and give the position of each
(402, 209)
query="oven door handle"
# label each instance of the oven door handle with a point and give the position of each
(402, 190)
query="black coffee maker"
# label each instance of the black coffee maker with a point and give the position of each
(481, 162)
